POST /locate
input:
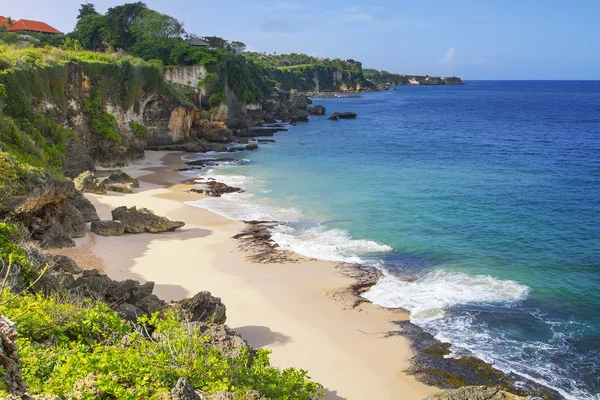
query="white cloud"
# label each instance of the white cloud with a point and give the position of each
(358, 16)
(449, 58)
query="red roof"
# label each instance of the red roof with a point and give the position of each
(28, 25)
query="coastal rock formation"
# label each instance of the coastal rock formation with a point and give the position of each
(184, 390)
(343, 115)
(107, 228)
(203, 307)
(67, 264)
(216, 189)
(143, 220)
(316, 110)
(121, 178)
(51, 209)
(475, 393)
(86, 182)
(9, 359)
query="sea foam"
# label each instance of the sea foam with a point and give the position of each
(431, 295)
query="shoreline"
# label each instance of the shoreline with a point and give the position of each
(303, 311)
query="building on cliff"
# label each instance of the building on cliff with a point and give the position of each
(26, 25)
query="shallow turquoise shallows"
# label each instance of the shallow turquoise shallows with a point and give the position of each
(489, 193)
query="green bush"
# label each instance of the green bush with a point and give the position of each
(63, 341)
(101, 122)
(138, 129)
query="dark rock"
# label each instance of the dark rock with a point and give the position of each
(266, 141)
(251, 146)
(240, 140)
(344, 115)
(52, 283)
(299, 101)
(217, 189)
(184, 390)
(129, 312)
(127, 291)
(107, 228)
(298, 115)
(317, 110)
(203, 307)
(143, 220)
(86, 182)
(67, 264)
(85, 208)
(121, 182)
(230, 343)
(92, 284)
(150, 304)
(146, 289)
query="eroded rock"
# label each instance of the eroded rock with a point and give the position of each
(475, 393)
(203, 307)
(86, 182)
(141, 220)
(107, 228)
(343, 115)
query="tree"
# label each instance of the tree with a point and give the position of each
(85, 10)
(215, 42)
(89, 31)
(152, 25)
(237, 47)
(118, 23)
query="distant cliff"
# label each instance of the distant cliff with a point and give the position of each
(388, 78)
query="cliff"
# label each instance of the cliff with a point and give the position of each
(72, 110)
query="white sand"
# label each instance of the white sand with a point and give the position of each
(287, 308)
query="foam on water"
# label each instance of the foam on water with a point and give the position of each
(318, 242)
(241, 207)
(431, 295)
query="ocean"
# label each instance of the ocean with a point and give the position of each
(480, 203)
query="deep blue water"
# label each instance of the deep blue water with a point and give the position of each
(489, 193)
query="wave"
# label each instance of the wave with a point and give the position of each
(318, 242)
(431, 295)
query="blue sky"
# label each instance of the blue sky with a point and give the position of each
(500, 39)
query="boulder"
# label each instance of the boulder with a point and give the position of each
(298, 100)
(86, 182)
(121, 178)
(67, 264)
(143, 220)
(203, 307)
(217, 189)
(344, 115)
(120, 188)
(298, 115)
(229, 342)
(184, 390)
(129, 312)
(316, 110)
(107, 228)
(475, 393)
(150, 304)
(251, 146)
(84, 207)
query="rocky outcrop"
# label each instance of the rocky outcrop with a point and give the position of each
(120, 182)
(67, 264)
(316, 110)
(86, 182)
(184, 390)
(475, 393)
(107, 228)
(143, 220)
(203, 307)
(216, 189)
(51, 209)
(9, 359)
(343, 115)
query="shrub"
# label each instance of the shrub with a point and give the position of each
(138, 129)
(64, 340)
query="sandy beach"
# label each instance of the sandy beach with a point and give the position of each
(294, 309)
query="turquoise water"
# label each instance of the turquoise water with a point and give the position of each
(489, 193)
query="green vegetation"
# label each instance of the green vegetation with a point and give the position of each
(40, 75)
(300, 71)
(138, 129)
(65, 341)
(385, 77)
